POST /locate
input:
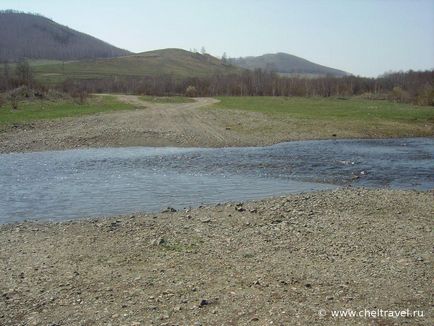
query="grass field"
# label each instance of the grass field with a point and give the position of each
(168, 99)
(328, 116)
(37, 110)
(330, 109)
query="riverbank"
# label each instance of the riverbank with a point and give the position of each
(244, 121)
(278, 260)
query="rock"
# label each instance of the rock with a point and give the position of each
(158, 242)
(169, 210)
(203, 302)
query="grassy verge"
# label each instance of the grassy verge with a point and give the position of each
(330, 109)
(325, 117)
(168, 99)
(36, 110)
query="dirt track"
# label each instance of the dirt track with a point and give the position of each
(180, 125)
(149, 125)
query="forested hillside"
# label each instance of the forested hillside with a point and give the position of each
(32, 36)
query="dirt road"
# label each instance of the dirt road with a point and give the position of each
(188, 124)
(184, 125)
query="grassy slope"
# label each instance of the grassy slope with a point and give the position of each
(353, 117)
(36, 110)
(176, 62)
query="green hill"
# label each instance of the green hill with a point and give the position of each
(170, 62)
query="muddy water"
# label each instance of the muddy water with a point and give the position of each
(62, 185)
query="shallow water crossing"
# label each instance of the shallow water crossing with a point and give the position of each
(62, 185)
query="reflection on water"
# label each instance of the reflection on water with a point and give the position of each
(97, 182)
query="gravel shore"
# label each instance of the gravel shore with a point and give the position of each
(283, 261)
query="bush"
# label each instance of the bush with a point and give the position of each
(54, 95)
(399, 95)
(191, 91)
(14, 101)
(426, 96)
(79, 96)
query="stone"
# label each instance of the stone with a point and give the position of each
(169, 210)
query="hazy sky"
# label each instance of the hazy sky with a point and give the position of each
(364, 37)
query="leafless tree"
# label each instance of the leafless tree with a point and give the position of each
(225, 58)
(24, 73)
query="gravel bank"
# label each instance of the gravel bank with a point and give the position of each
(276, 261)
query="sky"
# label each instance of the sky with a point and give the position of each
(363, 37)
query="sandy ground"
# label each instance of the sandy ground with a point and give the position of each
(181, 125)
(270, 262)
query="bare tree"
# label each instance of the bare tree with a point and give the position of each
(5, 77)
(225, 58)
(24, 73)
(14, 101)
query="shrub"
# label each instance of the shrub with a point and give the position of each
(79, 96)
(191, 91)
(399, 95)
(426, 95)
(14, 101)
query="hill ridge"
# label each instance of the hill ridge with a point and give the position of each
(286, 64)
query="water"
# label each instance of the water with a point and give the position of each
(62, 185)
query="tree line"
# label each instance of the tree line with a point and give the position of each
(409, 87)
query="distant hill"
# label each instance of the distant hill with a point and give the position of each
(36, 37)
(174, 62)
(287, 65)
